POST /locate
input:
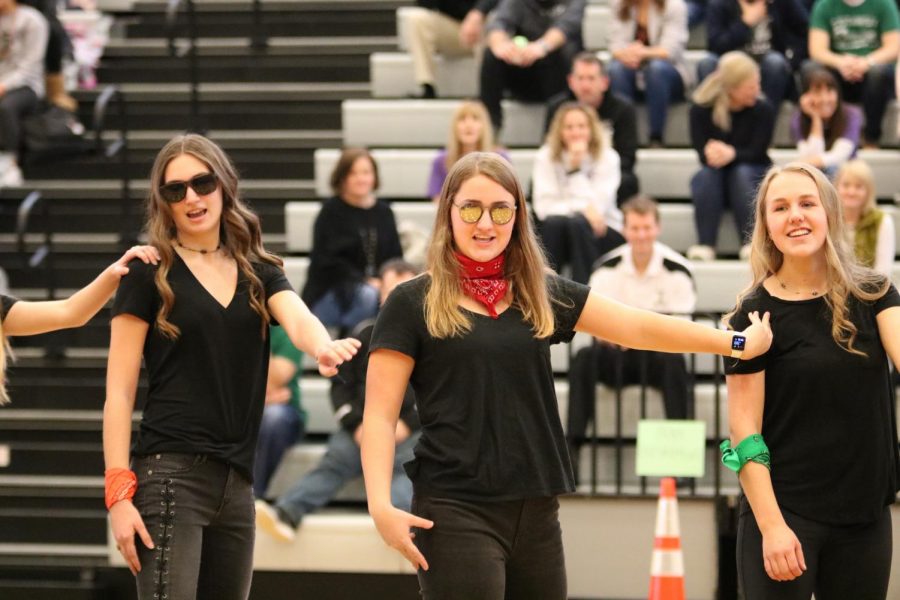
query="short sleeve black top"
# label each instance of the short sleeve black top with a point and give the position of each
(487, 405)
(6, 303)
(829, 415)
(206, 389)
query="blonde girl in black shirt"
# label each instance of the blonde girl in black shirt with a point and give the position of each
(182, 516)
(812, 422)
(472, 336)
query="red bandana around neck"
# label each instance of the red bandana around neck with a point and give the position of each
(483, 281)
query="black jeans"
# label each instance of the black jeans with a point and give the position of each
(508, 550)
(201, 517)
(15, 105)
(842, 562)
(570, 240)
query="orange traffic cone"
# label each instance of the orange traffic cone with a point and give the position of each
(667, 565)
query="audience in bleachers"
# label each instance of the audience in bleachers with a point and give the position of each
(284, 420)
(448, 27)
(647, 274)
(870, 230)
(530, 44)
(342, 461)
(731, 129)
(772, 32)
(470, 131)
(22, 48)
(826, 130)
(859, 40)
(58, 46)
(573, 188)
(354, 234)
(647, 40)
(696, 10)
(589, 84)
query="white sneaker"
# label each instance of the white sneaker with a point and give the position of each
(744, 253)
(12, 176)
(701, 253)
(268, 520)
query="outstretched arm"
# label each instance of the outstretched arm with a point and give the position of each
(31, 318)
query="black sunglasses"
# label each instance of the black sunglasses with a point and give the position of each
(175, 191)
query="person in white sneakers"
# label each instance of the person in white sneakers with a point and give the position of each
(22, 47)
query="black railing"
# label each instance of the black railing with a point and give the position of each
(116, 148)
(172, 9)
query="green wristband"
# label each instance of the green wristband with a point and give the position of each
(751, 449)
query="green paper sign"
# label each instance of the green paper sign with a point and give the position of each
(673, 448)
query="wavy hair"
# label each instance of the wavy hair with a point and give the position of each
(5, 354)
(526, 266)
(239, 230)
(845, 275)
(734, 68)
(469, 108)
(554, 140)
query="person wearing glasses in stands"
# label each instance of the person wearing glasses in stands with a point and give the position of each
(472, 336)
(181, 510)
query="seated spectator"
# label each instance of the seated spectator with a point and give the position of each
(859, 40)
(870, 229)
(22, 48)
(283, 421)
(448, 27)
(826, 130)
(354, 234)
(731, 129)
(573, 188)
(58, 46)
(588, 84)
(696, 10)
(646, 274)
(772, 32)
(470, 131)
(342, 461)
(647, 39)
(530, 43)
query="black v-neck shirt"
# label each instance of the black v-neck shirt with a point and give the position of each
(490, 420)
(206, 389)
(828, 417)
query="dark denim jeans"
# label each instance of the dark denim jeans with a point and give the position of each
(713, 189)
(507, 550)
(662, 86)
(281, 427)
(201, 517)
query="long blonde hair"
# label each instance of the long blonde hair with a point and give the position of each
(485, 143)
(733, 69)
(845, 275)
(526, 267)
(554, 134)
(860, 169)
(239, 229)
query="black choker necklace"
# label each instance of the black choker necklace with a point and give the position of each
(201, 250)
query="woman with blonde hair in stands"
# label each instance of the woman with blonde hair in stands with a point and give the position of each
(573, 188)
(731, 128)
(473, 337)
(813, 430)
(470, 131)
(22, 317)
(870, 230)
(180, 499)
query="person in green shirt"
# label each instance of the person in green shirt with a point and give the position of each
(859, 40)
(284, 420)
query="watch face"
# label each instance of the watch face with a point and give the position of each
(737, 342)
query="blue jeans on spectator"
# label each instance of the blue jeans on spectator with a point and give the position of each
(712, 190)
(873, 92)
(696, 12)
(281, 428)
(662, 86)
(363, 305)
(340, 464)
(200, 514)
(776, 75)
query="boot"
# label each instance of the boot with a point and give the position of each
(56, 92)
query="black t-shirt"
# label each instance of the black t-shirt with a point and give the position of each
(6, 303)
(828, 417)
(490, 421)
(206, 389)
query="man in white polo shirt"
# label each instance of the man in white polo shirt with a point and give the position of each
(647, 274)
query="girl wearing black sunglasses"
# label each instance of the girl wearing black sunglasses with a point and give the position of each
(472, 336)
(200, 322)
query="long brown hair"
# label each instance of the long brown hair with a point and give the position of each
(469, 108)
(5, 353)
(554, 140)
(239, 229)
(846, 276)
(526, 267)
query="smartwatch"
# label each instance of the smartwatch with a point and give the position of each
(738, 342)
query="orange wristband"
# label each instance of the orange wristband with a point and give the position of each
(120, 485)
